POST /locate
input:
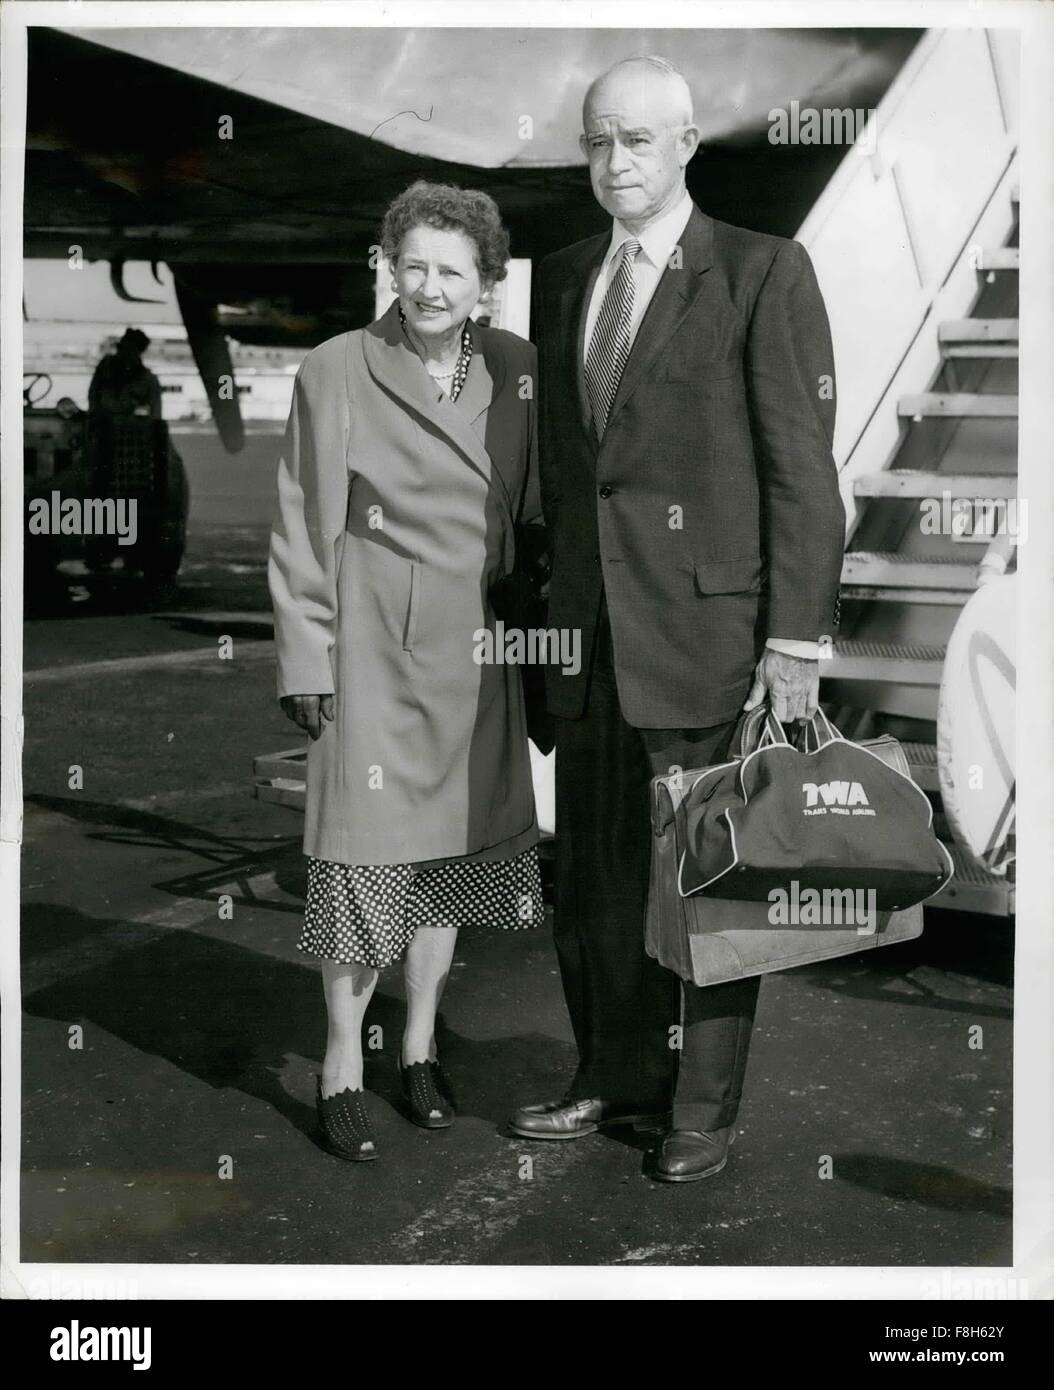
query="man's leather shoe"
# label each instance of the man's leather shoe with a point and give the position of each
(687, 1155)
(573, 1119)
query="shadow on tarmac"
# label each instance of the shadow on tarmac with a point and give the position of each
(231, 1017)
(928, 1184)
(246, 630)
(958, 953)
(231, 862)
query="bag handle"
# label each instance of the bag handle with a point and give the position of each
(759, 728)
(820, 728)
(747, 732)
(772, 734)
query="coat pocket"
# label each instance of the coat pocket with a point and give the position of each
(413, 602)
(737, 576)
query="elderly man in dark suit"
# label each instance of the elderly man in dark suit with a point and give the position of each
(687, 411)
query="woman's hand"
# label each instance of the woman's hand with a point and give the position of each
(308, 711)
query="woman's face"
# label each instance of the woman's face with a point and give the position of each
(437, 279)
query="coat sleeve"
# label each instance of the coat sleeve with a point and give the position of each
(307, 538)
(548, 476)
(790, 376)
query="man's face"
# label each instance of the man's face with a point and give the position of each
(637, 145)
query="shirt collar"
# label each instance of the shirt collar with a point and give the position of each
(658, 239)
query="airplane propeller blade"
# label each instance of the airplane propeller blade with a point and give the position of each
(208, 343)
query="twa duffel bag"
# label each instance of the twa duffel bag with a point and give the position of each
(708, 939)
(834, 816)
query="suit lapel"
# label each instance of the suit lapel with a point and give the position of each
(393, 363)
(574, 309)
(674, 296)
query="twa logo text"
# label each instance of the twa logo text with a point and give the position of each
(840, 798)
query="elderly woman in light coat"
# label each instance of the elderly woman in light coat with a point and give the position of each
(407, 464)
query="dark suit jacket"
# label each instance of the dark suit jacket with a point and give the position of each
(710, 513)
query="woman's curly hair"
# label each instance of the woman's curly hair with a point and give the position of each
(450, 208)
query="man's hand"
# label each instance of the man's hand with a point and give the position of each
(308, 711)
(792, 684)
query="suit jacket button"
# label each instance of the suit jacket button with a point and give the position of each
(606, 490)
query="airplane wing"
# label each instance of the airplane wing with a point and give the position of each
(257, 163)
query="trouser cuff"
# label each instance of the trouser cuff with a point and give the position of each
(692, 1115)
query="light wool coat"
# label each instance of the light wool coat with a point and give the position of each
(395, 516)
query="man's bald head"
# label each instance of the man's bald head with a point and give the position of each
(648, 83)
(638, 135)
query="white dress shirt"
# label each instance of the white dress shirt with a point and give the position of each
(657, 241)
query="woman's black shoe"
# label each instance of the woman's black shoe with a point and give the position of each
(428, 1094)
(345, 1124)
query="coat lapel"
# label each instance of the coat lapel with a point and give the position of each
(674, 296)
(486, 376)
(482, 389)
(393, 363)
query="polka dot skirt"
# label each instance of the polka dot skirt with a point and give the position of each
(366, 914)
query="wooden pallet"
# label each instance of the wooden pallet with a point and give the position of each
(281, 777)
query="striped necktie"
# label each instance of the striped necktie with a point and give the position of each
(609, 345)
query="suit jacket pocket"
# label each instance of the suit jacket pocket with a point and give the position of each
(696, 372)
(737, 576)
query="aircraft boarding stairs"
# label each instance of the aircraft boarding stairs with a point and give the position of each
(915, 244)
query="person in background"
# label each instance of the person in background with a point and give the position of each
(121, 384)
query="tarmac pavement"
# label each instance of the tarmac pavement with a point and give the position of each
(203, 1032)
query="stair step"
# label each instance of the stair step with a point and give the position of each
(958, 405)
(904, 482)
(883, 593)
(973, 889)
(922, 760)
(978, 338)
(901, 663)
(1001, 258)
(978, 331)
(892, 569)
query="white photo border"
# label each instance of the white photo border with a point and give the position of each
(1031, 1274)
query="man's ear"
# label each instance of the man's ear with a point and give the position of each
(687, 143)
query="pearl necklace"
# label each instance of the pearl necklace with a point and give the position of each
(460, 372)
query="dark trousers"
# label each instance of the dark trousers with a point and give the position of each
(625, 1008)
